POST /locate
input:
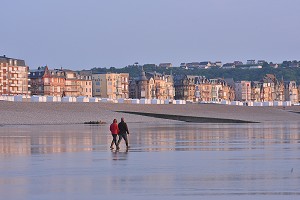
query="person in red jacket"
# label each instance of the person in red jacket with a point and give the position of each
(114, 129)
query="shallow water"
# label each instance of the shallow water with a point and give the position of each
(165, 161)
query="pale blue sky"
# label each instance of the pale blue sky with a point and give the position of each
(96, 33)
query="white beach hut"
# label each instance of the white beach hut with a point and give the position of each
(93, 99)
(82, 99)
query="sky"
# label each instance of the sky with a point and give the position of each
(77, 34)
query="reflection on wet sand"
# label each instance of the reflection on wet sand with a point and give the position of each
(147, 137)
(165, 161)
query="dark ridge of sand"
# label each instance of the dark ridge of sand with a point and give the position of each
(295, 112)
(188, 118)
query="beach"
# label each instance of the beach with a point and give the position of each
(48, 153)
(27, 113)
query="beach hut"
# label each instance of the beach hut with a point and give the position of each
(67, 99)
(18, 98)
(249, 103)
(225, 102)
(82, 99)
(268, 103)
(135, 101)
(155, 101)
(179, 102)
(145, 101)
(287, 103)
(234, 103)
(167, 101)
(278, 103)
(257, 103)
(53, 99)
(121, 100)
(93, 99)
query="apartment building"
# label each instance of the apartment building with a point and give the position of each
(291, 92)
(161, 86)
(54, 82)
(85, 83)
(152, 85)
(13, 76)
(46, 82)
(243, 91)
(71, 84)
(36, 80)
(111, 85)
(60, 82)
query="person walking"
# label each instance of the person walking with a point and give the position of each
(114, 129)
(123, 132)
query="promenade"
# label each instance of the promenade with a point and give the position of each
(31, 113)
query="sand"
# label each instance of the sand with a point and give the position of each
(12, 113)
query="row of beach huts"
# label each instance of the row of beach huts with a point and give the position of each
(23, 98)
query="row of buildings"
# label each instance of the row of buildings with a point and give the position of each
(249, 64)
(17, 79)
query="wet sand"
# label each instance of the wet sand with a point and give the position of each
(165, 161)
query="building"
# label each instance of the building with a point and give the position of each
(250, 62)
(85, 83)
(36, 81)
(152, 86)
(269, 88)
(161, 86)
(54, 82)
(71, 84)
(183, 66)
(165, 65)
(256, 88)
(13, 76)
(199, 88)
(261, 62)
(111, 85)
(221, 90)
(238, 62)
(193, 65)
(60, 82)
(227, 91)
(228, 66)
(243, 91)
(291, 92)
(218, 63)
(255, 67)
(187, 87)
(205, 91)
(96, 85)
(205, 65)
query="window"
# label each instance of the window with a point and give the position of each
(97, 82)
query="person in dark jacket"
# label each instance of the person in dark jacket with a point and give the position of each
(114, 129)
(123, 131)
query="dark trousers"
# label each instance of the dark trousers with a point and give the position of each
(124, 136)
(114, 140)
